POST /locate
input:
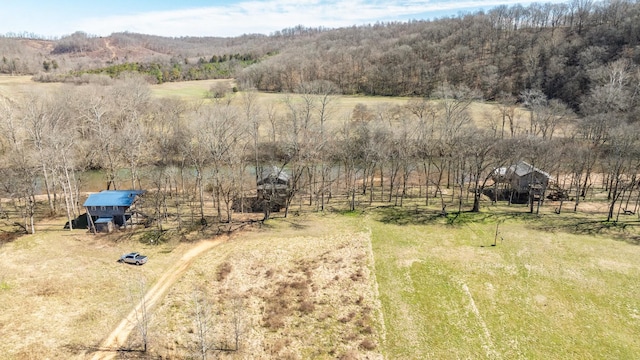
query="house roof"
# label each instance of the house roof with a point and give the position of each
(522, 168)
(113, 198)
(273, 172)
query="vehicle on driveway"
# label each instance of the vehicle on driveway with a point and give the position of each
(133, 258)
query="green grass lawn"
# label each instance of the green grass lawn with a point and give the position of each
(446, 293)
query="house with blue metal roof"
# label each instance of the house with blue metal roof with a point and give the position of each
(110, 208)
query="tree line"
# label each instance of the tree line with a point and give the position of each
(211, 152)
(556, 48)
(176, 70)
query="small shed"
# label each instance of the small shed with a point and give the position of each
(110, 208)
(103, 224)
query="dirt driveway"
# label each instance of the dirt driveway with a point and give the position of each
(116, 340)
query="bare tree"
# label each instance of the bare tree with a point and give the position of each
(198, 155)
(96, 109)
(42, 119)
(131, 97)
(425, 113)
(300, 140)
(621, 163)
(534, 100)
(237, 320)
(507, 107)
(203, 321)
(451, 120)
(224, 142)
(141, 311)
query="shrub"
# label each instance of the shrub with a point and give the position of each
(274, 321)
(223, 271)
(154, 237)
(368, 344)
(307, 307)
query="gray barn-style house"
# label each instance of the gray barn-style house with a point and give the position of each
(110, 208)
(523, 176)
(521, 182)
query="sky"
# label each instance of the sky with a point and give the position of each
(224, 18)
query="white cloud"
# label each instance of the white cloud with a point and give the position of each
(256, 16)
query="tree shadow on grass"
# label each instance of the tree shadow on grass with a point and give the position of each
(422, 216)
(9, 236)
(578, 224)
(296, 225)
(627, 231)
(406, 216)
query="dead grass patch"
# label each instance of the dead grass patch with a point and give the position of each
(294, 281)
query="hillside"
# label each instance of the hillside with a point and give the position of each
(561, 49)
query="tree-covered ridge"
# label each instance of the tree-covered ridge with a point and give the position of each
(559, 49)
(217, 67)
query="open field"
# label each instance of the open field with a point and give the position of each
(187, 90)
(398, 283)
(340, 108)
(545, 291)
(301, 290)
(72, 293)
(12, 87)
(61, 292)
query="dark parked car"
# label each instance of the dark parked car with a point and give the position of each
(133, 258)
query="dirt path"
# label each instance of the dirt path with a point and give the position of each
(118, 337)
(107, 44)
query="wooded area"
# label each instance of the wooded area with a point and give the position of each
(573, 67)
(560, 49)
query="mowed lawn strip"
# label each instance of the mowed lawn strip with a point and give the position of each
(446, 293)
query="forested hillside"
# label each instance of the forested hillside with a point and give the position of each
(560, 49)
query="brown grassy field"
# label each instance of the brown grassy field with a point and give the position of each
(61, 292)
(340, 108)
(13, 87)
(306, 291)
(299, 289)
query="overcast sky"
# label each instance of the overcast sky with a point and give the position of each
(55, 18)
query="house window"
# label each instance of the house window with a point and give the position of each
(93, 208)
(115, 208)
(103, 208)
